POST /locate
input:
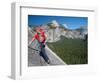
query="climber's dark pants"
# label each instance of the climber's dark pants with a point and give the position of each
(43, 53)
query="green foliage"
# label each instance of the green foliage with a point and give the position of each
(71, 51)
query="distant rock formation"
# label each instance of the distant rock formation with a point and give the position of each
(54, 30)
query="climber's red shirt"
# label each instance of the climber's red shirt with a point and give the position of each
(40, 37)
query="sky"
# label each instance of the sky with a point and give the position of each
(71, 22)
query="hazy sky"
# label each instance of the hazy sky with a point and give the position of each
(71, 22)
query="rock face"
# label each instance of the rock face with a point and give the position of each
(54, 30)
(34, 59)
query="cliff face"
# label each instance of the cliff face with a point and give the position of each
(34, 59)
